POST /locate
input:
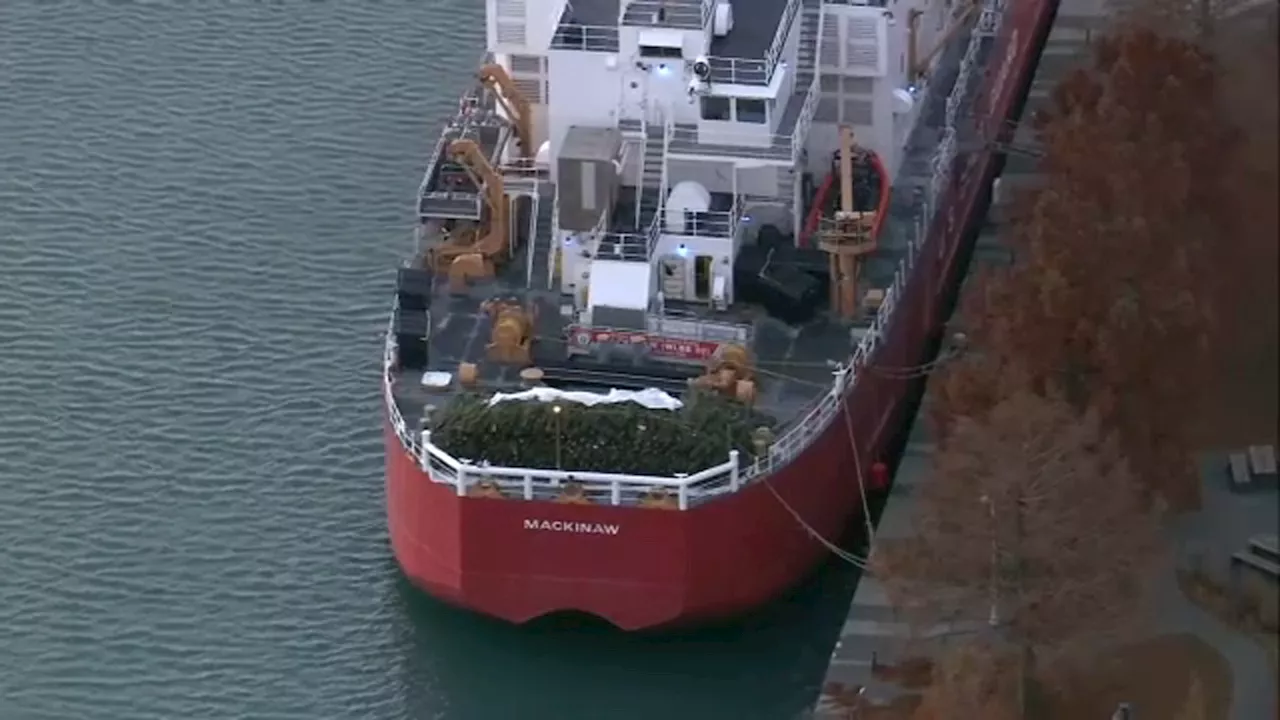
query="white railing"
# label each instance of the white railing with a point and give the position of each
(727, 143)
(709, 224)
(800, 135)
(728, 477)
(757, 71)
(773, 55)
(530, 484)
(587, 38)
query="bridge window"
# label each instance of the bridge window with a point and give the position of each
(715, 107)
(659, 51)
(752, 110)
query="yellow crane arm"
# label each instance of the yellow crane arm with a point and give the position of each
(495, 79)
(467, 153)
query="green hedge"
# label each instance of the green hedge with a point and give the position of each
(622, 438)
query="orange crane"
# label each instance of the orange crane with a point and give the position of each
(919, 66)
(495, 79)
(848, 238)
(470, 254)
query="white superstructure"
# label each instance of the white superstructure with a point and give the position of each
(697, 118)
(719, 105)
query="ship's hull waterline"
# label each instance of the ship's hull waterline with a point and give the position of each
(644, 568)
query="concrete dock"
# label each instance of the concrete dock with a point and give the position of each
(872, 633)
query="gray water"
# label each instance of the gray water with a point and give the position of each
(201, 206)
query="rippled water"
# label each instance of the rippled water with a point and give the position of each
(200, 208)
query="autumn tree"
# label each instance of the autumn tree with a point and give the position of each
(1031, 533)
(1108, 299)
(973, 680)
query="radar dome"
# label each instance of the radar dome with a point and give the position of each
(686, 197)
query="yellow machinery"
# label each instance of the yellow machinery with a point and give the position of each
(848, 238)
(511, 338)
(918, 65)
(495, 79)
(730, 373)
(467, 254)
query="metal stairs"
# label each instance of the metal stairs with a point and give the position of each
(651, 175)
(807, 62)
(543, 237)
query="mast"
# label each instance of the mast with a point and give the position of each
(845, 238)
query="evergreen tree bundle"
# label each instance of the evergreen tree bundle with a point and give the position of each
(618, 438)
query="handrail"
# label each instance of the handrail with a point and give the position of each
(805, 121)
(773, 55)
(586, 38)
(441, 467)
(757, 71)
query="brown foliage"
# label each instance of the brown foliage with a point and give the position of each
(1193, 707)
(1109, 300)
(1031, 502)
(972, 681)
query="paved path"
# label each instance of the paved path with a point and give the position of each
(1253, 687)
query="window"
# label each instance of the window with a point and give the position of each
(715, 107)
(752, 110)
(658, 51)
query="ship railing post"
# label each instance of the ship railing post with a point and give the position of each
(683, 496)
(460, 480)
(424, 458)
(734, 478)
(615, 492)
(528, 487)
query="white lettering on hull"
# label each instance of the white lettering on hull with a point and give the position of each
(579, 528)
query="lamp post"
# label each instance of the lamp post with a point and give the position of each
(993, 619)
(555, 410)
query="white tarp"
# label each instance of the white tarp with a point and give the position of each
(652, 398)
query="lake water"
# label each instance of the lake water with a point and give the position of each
(201, 206)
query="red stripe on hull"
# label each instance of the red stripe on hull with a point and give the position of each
(666, 567)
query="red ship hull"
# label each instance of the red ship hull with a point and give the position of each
(645, 568)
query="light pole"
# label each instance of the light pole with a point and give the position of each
(993, 619)
(555, 410)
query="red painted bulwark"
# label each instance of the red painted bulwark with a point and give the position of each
(667, 567)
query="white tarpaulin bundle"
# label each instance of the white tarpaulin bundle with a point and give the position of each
(652, 398)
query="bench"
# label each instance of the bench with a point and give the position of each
(1266, 547)
(1238, 471)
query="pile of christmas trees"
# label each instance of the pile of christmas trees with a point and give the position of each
(618, 438)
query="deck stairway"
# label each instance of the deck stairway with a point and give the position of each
(538, 270)
(810, 15)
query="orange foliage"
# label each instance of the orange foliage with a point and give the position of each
(1109, 300)
(973, 681)
(1031, 509)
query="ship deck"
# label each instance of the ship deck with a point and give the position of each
(755, 23)
(794, 364)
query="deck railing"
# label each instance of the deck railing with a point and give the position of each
(586, 38)
(691, 490)
(757, 71)
(782, 147)
(709, 224)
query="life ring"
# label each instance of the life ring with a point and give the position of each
(485, 489)
(659, 498)
(573, 493)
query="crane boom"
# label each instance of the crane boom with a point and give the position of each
(467, 153)
(495, 79)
